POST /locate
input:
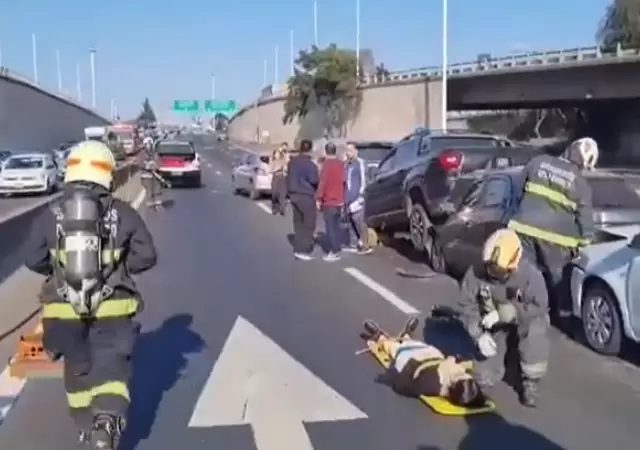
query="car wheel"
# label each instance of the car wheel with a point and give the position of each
(197, 182)
(419, 225)
(601, 322)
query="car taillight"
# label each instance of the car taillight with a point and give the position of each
(450, 160)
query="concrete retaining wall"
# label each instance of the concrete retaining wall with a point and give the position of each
(32, 118)
(388, 112)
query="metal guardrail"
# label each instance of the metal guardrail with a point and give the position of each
(519, 61)
(12, 75)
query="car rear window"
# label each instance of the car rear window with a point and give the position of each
(170, 149)
(453, 142)
(615, 192)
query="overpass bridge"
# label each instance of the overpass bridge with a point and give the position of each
(35, 118)
(396, 104)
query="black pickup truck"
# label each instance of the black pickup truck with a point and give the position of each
(412, 186)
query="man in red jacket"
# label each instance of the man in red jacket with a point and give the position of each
(330, 198)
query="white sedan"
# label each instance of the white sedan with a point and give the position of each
(605, 289)
(28, 173)
(251, 175)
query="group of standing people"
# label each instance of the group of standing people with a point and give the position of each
(334, 187)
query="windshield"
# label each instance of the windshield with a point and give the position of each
(24, 162)
(123, 135)
(174, 149)
(373, 153)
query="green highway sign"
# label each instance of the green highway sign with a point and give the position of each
(226, 107)
(190, 106)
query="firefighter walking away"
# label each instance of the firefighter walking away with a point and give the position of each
(555, 217)
(87, 244)
(504, 301)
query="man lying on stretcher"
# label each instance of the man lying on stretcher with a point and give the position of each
(419, 369)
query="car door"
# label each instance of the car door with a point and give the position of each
(51, 169)
(405, 160)
(240, 172)
(633, 287)
(454, 235)
(375, 190)
(494, 201)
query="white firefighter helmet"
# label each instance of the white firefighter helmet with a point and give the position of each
(584, 152)
(90, 161)
(502, 252)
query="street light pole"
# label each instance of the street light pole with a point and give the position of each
(59, 70)
(445, 64)
(92, 55)
(291, 53)
(358, 40)
(276, 59)
(315, 22)
(78, 85)
(34, 51)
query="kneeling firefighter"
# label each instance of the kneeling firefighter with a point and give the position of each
(87, 244)
(505, 300)
(554, 217)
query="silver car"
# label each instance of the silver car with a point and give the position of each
(605, 278)
(28, 173)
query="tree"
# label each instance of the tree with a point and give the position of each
(147, 114)
(620, 25)
(324, 80)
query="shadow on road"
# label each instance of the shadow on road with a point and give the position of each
(493, 431)
(159, 359)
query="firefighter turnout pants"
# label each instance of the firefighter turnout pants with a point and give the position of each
(97, 358)
(529, 342)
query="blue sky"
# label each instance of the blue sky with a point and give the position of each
(167, 50)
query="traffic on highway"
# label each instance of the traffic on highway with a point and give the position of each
(242, 346)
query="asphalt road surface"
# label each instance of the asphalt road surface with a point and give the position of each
(241, 344)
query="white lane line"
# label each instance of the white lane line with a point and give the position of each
(381, 291)
(11, 387)
(209, 165)
(218, 173)
(263, 207)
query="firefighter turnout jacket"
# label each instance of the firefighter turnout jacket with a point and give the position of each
(556, 203)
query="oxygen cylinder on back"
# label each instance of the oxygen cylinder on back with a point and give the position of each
(82, 244)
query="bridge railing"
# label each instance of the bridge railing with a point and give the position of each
(12, 75)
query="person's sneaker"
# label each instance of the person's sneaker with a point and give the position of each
(331, 257)
(302, 256)
(364, 250)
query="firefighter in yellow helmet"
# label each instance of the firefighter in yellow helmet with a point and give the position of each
(554, 217)
(87, 244)
(502, 296)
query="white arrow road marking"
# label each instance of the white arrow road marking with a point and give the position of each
(255, 382)
(263, 207)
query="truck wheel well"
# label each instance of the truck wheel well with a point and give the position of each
(415, 195)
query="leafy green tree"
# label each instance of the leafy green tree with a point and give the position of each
(324, 80)
(620, 25)
(147, 114)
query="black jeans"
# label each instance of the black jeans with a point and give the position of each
(278, 193)
(304, 222)
(333, 227)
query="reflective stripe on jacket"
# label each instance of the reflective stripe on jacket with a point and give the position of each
(556, 203)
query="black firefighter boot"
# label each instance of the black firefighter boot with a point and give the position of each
(530, 393)
(106, 432)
